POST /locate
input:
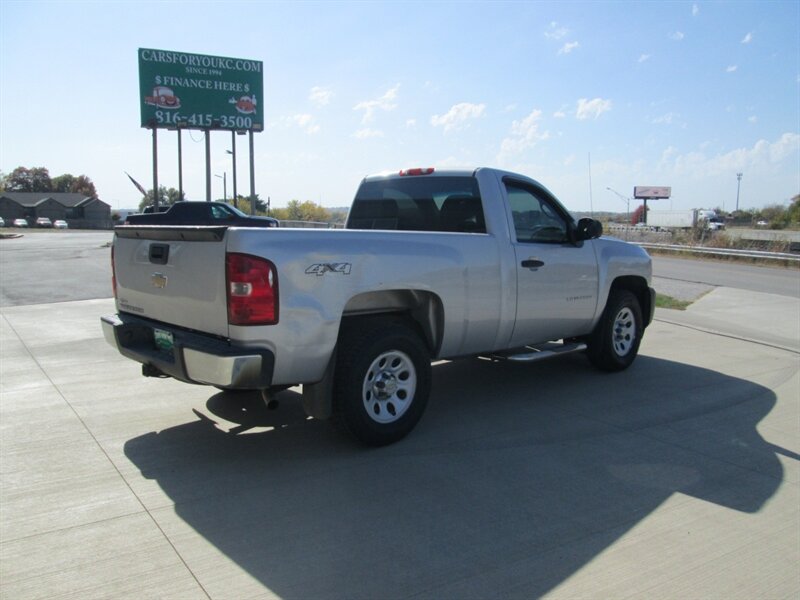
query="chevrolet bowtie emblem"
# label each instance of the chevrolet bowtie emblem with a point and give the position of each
(159, 280)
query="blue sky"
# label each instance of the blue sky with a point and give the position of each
(680, 94)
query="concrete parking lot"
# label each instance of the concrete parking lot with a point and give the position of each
(677, 478)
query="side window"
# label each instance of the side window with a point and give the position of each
(217, 212)
(535, 219)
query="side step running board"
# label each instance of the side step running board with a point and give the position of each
(534, 354)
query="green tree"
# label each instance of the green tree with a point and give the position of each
(165, 197)
(243, 204)
(83, 185)
(36, 179)
(303, 211)
(793, 213)
(775, 215)
(68, 183)
(63, 183)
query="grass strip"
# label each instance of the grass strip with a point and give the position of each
(664, 301)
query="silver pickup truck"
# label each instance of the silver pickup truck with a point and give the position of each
(432, 265)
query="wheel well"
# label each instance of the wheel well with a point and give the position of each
(422, 310)
(638, 287)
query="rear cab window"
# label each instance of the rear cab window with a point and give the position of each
(427, 203)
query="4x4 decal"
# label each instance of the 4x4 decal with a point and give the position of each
(321, 268)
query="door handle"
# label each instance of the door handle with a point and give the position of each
(532, 263)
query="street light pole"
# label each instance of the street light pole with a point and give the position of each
(738, 185)
(224, 185)
(627, 201)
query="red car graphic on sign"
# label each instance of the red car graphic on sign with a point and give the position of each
(163, 97)
(246, 105)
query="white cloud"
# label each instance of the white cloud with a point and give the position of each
(752, 119)
(559, 114)
(555, 32)
(748, 38)
(667, 119)
(695, 10)
(677, 36)
(763, 153)
(591, 109)
(303, 121)
(525, 134)
(385, 103)
(457, 116)
(731, 68)
(363, 134)
(411, 123)
(568, 47)
(451, 162)
(320, 96)
(644, 57)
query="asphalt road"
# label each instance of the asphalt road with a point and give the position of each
(55, 266)
(769, 280)
(58, 266)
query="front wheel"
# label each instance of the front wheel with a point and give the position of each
(382, 381)
(614, 343)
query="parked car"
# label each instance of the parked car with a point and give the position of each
(20, 223)
(762, 224)
(2, 222)
(199, 213)
(60, 224)
(44, 222)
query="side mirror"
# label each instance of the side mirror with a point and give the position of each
(588, 229)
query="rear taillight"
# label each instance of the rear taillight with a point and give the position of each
(113, 273)
(252, 290)
(417, 171)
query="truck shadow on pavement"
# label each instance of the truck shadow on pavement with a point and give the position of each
(515, 479)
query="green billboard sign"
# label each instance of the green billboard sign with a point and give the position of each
(196, 91)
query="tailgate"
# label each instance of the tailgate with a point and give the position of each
(173, 274)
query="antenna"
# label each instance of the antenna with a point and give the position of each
(591, 200)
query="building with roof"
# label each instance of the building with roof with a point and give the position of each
(81, 212)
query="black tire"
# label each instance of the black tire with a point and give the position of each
(614, 343)
(382, 381)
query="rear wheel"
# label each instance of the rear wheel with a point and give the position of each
(382, 381)
(614, 343)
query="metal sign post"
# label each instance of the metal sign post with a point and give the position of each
(252, 177)
(232, 152)
(180, 166)
(155, 168)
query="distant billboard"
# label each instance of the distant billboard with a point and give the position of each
(195, 91)
(651, 192)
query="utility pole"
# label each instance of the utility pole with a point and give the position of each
(738, 185)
